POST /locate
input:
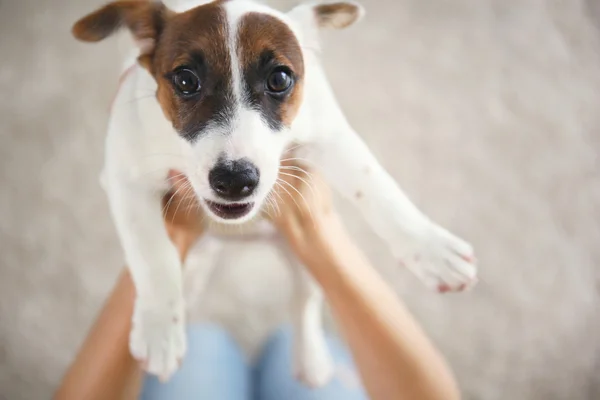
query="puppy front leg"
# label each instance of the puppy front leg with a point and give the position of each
(157, 338)
(312, 362)
(443, 261)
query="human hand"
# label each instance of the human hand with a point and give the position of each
(305, 215)
(182, 214)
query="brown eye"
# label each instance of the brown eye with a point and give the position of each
(186, 82)
(279, 81)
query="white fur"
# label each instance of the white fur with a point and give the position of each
(142, 147)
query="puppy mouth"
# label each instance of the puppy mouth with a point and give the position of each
(229, 211)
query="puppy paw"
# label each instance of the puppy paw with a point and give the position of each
(157, 337)
(313, 365)
(444, 262)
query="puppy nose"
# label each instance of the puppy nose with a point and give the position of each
(234, 180)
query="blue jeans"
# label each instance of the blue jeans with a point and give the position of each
(215, 369)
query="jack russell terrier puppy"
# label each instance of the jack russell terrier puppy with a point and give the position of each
(220, 91)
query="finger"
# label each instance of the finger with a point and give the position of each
(180, 199)
(176, 179)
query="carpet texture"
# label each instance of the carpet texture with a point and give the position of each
(486, 112)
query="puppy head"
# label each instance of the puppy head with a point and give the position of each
(229, 76)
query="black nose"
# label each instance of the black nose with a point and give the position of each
(234, 180)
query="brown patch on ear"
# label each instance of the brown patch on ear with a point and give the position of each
(145, 20)
(337, 15)
(358, 195)
(145, 60)
(97, 25)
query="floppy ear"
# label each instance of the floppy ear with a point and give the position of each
(143, 18)
(337, 15)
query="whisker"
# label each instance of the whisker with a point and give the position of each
(199, 210)
(309, 175)
(166, 207)
(310, 186)
(177, 176)
(298, 159)
(302, 196)
(280, 198)
(275, 203)
(193, 197)
(295, 147)
(292, 196)
(179, 204)
(287, 191)
(266, 210)
(294, 168)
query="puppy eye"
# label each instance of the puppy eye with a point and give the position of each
(186, 81)
(279, 81)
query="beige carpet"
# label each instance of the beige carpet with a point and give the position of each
(486, 111)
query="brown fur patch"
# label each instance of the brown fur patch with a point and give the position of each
(196, 40)
(265, 42)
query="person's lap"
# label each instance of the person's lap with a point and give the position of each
(215, 368)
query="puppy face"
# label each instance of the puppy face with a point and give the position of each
(230, 78)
